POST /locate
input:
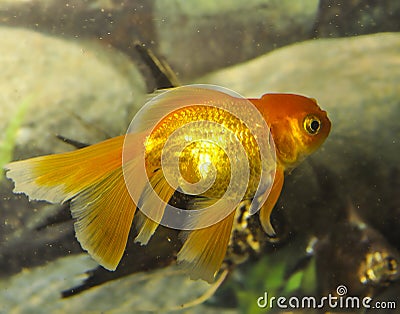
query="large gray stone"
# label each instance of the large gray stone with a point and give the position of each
(357, 80)
(81, 90)
(196, 37)
(138, 293)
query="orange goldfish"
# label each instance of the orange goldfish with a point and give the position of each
(216, 147)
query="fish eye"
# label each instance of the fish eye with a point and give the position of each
(312, 124)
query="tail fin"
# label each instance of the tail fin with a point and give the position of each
(92, 178)
(58, 178)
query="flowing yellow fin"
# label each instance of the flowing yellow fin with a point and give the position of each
(154, 198)
(57, 178)
(266, 209)
(204, 249)
(103, 215)
(93, 179)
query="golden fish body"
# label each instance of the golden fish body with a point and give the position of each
(200, 141)
(204, 139)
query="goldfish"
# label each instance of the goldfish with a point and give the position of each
(209, 144)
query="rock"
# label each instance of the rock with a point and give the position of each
(337, 18)
(80, 90)
(196, 37)
(356, 82)
(85, 92)
(141, 293)
(116, 23)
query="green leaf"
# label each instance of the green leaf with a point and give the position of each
(8, 143)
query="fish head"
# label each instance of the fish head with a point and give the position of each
(298, 125)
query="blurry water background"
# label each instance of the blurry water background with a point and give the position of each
(71, 68)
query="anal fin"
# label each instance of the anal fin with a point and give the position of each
(204, 249)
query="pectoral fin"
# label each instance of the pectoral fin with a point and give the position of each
(266, 209)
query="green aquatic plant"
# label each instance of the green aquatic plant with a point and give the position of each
(284, 273)
(7, 144)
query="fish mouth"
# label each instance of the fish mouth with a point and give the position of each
(299, 159)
